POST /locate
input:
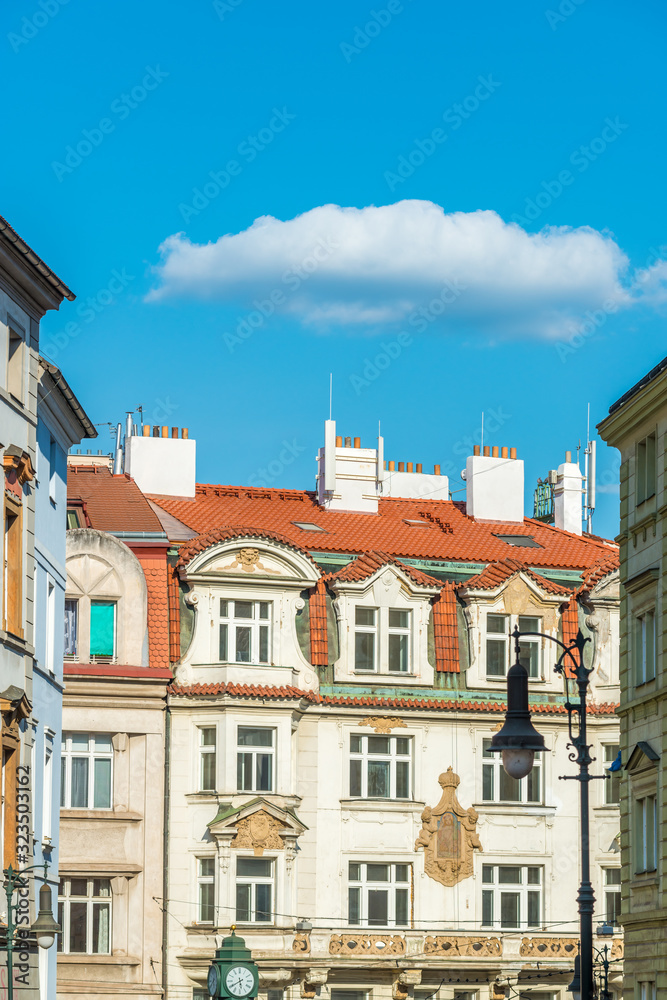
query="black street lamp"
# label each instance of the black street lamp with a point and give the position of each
(44, 928)
(519, 741)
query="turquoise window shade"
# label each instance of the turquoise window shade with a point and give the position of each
(102, 628)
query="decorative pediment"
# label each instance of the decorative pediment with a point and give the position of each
(258, 825)
(642, 756)
(245, 557)
(448, 835)
(383, 575)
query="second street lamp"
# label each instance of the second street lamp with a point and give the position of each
(519, 741)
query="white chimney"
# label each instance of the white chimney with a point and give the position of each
(162, 464)
(494, 486)
(568, 497)
(346, 474)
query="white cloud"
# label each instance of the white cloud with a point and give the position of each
(369, 267)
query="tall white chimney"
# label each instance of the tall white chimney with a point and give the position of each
(161, 463)
(568, 496)
(494, 485)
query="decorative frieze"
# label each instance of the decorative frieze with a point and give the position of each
(553, 947)
(383, 723)
(260, 832)
(367, 944)
(301, 943)
(485, 947)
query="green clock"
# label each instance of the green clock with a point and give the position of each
(233, 975)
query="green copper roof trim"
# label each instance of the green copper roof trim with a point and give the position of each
(432, 694)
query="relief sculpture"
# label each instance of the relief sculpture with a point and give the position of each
(448, 835)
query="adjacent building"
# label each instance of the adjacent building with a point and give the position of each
(636, 425)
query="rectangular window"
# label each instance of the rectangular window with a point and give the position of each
(254, 890)
(207, 759)
(47, 793)
(530, 647)
(648, 991)
(243, 632)
(102, 630)
(255, 759)
(15, 366)
(496, 645)
(380, 767)
(50, 625)
(645, 834)
(365, 639)
(86, 771)
(13, 569)
(511, 896)
(378, 894)
(71, 628)
(399, 641)
(612, 896)
(646, 468)
(52, 469)
(497, 786)
(84, 913)
(206, 890)
(612, 784)
(644, 647)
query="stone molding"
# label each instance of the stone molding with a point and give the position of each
(383, 723)
(463, 946)
(367, 944)
(448, 835)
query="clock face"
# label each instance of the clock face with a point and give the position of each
(212, 981)
(239, 981)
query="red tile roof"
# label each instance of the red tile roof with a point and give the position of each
(370, 562)
(242, 691)
(154, 564)
(113, 503)
(467, 540)
(570, 626)
(446, 632)
(498, 572)
(174, 616)
(222, 533)
(319, 638)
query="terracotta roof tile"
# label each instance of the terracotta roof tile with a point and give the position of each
(154, 564)
(319, 639)
(241, 691)
(113, 503)
(496, 573)
(192, 548)
(370, 562)
(174, 616)
(446, 632)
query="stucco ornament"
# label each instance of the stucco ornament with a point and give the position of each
(248, 561)
(448, 835)
(383, 723)
(259, 831)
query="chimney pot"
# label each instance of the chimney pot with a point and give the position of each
(357, 442)
(419, 467)
(436, 470)
(401, 466)
(476, 450)
(568, 456)
(348, 442)
(487, 451)
(339, 442)
(385, 465)
(409, 467)
(392, 466)
(156, 431)
(184, 434)
(495, 453)
(174, 432)
(512, 452)
(146, 431)
(504, 453)
(165, 432)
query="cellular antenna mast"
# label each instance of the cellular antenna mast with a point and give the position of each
(330, 393)
(589, 475)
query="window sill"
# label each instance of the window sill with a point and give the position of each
(530, 808)
(375, 805)
(105, 815)
(77, 959)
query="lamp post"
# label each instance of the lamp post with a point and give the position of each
(44, 928)
(519, 741)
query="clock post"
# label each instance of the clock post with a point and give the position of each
(232, 974)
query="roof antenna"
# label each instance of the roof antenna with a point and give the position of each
(482, 445)
(330, 393)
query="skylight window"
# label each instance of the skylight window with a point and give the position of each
(522, 541)
(307, 526)
(417, 524)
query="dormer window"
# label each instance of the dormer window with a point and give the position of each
(244, 631)
(499, 645)
(382, 640)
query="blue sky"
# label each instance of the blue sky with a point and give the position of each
(462, 124)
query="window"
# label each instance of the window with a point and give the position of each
(75, 518)
(198, 994)
(207, 758)
(50, 625)
(52, 469)
(380, 767)
(648, 991)
(244, 631)
(206, 890)
(612, 784)
(365, 635)
(522, 541)
(645, 834)
(71, 627)
(497, 786)
(644, 647)
(612, 896)
(13, 569)
(498, 645)
(102, 630)
(307, 526)
(646, 468)
(255, 759)
(511, 896)
(84, 913)
(254, 890)
(399, 641)
(86, 770)
(47, 793)
(15, 366)
(378, 894)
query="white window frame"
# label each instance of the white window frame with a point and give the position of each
(256, 624)
(644, 646)
(646, 471)
(505, 639)
(47, 790)
(205, 751)
(647, 990)
(364, 885)
(50, 644)
(645, 830)
(253, 881)
(91, 754)
(53, 454)
(496, 888)
(204, 880)
(492, 767)
(75, 602)
(64, 902)
(381, 631)
(15, 368)
(104, 657)
(365, 629)
(255, 752)
(612, 889)
(400, 630)
(613, 779)
(392, 756)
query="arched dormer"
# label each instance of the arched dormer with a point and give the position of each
(105, 604)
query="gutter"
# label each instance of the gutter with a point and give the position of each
(11, 236)
(165, 846)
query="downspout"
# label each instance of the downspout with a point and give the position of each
(165, 847)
